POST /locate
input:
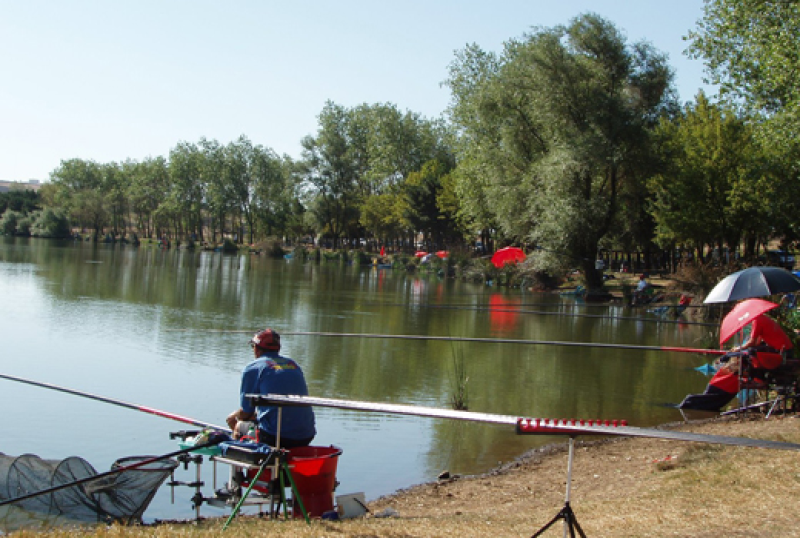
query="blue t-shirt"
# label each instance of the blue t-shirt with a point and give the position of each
(273, 374)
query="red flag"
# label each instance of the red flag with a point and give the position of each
(383, 251)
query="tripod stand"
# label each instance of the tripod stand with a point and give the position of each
(566, 513)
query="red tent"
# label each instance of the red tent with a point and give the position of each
(507, 255)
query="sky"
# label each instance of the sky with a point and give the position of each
(110, 81)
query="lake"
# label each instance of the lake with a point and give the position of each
(169, 329)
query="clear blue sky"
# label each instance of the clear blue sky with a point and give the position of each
(113, 80)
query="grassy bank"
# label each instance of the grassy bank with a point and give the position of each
(621, 488)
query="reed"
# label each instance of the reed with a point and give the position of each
(459, 397)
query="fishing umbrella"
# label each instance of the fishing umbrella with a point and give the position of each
(753, 282)
(507, 255)
(443, 254)
(420, 253)
(742, 314)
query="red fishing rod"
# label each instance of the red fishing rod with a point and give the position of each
(136, 407)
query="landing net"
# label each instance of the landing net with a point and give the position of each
(120, 497)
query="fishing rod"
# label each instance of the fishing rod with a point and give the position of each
(571, 314)
(484, 340)
(136, 407)
(523, 425)
(211, 442)
(571, 305)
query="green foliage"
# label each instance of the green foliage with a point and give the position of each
(275, 250)
(428, 209)
(358, 160)
(459, 396)
(51, 223)
(8, 224)
(22, 201)
(554, 130)
(24, 225)
(712, 188)
(362, 258)
(751, 50)
(229, 247)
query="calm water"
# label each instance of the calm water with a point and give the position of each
(158, 328)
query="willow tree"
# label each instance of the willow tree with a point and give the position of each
(554, 130)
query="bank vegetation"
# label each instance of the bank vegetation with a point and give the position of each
(570, 142)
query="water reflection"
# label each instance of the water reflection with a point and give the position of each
(168, 328)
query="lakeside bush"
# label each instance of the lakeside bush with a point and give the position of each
(51, 223)
(8, 225)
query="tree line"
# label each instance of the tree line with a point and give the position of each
(571, 140)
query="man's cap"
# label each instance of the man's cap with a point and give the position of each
(268, 340)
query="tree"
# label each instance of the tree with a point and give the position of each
(330, 168)
(276, 205)
(751, 50)
(148, 182)
(78, 185)
(553, 131)
(185, 202)
(115, 194)
(22, 200)
(423, 191)
(703, 195)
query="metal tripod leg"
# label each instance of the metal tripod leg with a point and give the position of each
(566, 513)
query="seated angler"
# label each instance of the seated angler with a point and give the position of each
(272, 373)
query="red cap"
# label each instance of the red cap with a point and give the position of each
(268, 340)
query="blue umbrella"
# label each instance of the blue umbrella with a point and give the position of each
(753, 282)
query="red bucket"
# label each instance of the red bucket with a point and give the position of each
(313, 470)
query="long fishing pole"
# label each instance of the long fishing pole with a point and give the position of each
(524, 426)
(111, 472)
(136, 407)
(571, 314)
(486, 340)
(571, 305)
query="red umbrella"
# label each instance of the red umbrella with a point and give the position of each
(443, 254)
(742, 314)
(507, 255)
(420, 253)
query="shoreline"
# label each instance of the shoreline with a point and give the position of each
(620, 487)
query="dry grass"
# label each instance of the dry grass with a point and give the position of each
(621, 488)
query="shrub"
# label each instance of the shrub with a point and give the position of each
(8, 225)
(362, 258)
(275, 250)
(229, 247)
(24, 225)
(51, 223)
